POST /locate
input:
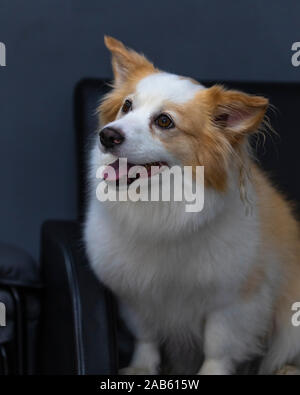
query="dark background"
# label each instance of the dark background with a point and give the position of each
(52, 44)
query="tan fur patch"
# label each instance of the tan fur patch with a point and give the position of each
(254, 280)
(280, 234)
(125, 61)
(203, 142)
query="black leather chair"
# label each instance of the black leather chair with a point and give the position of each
(81, 331)
(20, 286)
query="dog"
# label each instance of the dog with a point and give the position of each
(214, 288)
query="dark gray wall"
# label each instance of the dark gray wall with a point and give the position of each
(51, 44)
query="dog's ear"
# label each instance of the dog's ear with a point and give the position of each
(124, 60)
(236, 112)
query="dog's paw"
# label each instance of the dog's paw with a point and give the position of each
(136, 370)
(214, 367)
(288, 370)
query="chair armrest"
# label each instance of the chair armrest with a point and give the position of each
(78, 334)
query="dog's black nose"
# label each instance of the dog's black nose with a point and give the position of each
(110, 137)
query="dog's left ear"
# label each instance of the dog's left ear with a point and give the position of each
(124, 60)
(236, 112)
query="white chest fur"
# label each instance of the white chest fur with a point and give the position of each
(171, 268)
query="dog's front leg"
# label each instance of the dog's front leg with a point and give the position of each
(146, 359)
(217, 339)
(230, 336)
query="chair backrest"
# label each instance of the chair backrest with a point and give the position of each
(279, 155)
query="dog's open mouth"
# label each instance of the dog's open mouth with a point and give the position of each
(118, 171)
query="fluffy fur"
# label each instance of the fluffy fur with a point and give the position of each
(214, 288)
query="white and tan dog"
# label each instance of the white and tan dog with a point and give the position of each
(218, 283)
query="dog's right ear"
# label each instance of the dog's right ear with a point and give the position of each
(124, 60)
(236, 113)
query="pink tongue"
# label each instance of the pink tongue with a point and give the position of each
(112, 172)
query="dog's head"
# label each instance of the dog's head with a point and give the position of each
(154, 117)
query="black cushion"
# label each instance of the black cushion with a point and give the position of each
(17, 267)
(7, 331)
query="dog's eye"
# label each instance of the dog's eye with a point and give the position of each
(126, 106)
(164, 121)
